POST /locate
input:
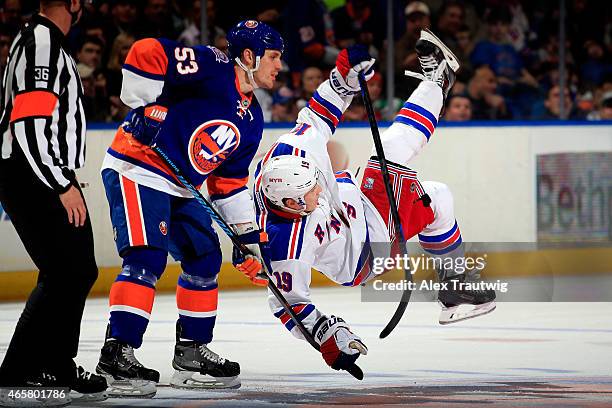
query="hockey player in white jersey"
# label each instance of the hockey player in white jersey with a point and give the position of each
(317, 219)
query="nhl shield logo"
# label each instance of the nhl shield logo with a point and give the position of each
(368, 183)
(211, 143)
(163, 228)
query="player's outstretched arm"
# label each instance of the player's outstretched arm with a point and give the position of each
(339, 346)
(325, 109)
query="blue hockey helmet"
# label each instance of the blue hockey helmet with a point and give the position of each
(254, 35)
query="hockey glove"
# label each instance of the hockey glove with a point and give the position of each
(144, 123)
(251, 265)
(344, 78)
(339, 346)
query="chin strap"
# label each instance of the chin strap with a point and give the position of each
(249, 71)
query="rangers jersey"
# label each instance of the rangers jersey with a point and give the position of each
(211, 130)
(333, 239)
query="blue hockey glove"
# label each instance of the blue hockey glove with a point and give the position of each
(144, 123)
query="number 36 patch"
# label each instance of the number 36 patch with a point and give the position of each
(41, 73)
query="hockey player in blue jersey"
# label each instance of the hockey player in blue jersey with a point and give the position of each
(197, 105)
(316, 219)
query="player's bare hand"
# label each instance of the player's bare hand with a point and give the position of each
(75, 206)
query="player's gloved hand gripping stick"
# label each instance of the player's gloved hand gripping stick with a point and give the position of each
(354, 370)
(392, 206)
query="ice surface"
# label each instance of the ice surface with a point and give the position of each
(522, 354)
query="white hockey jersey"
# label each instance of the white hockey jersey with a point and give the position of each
(334, 239)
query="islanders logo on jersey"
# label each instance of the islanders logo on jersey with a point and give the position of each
(211, 143)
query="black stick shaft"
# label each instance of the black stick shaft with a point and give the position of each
(380, 153)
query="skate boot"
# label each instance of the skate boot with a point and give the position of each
(461, 300)
(437, 61)
(198, 367)
(88, 387)
(126, 376)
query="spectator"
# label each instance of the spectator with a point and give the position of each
(156, 21)
(124, 16)
(465, 46)
(90, 52)
(516, 84)
(95, 101)
(596, 66)
(268, 12)
(94, 27)
(191, 34)
(379, 103)
(458, 109)
(284, 108)
(357, 22)
(519, 24)
(451, 17)
(552, 110)
(11, 15)
(605, 109)
(119, 51)
(356, 112)
(312, 77)
(486, 104)
(310, 37)
(548, 54)
(417, 18)
(497, 52)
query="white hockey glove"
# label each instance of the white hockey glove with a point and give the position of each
(344, 78)
(339, 346)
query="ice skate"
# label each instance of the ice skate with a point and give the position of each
(198, 367)
(126, 376)
(462, 300)
(437, 61)
(88, 387)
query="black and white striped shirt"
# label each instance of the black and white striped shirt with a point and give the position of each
(42, 106)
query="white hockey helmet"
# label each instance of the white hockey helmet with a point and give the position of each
(285, 177)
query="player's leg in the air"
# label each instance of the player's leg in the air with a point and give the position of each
(426, 209)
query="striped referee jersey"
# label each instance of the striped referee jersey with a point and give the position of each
(42, 110)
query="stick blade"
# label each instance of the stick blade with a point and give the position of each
(397, 316)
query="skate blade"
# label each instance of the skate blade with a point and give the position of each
(92, 397)
(459, 313)
(191, 380)
(126, 388)
(451, 59)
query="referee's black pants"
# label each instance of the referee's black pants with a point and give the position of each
(46, 337)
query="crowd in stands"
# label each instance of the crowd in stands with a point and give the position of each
(509, 50)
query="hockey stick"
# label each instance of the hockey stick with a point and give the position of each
(354, 370)
(392, 206)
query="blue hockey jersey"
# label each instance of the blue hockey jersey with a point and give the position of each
(211, 130)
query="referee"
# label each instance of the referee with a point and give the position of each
(42, 130)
